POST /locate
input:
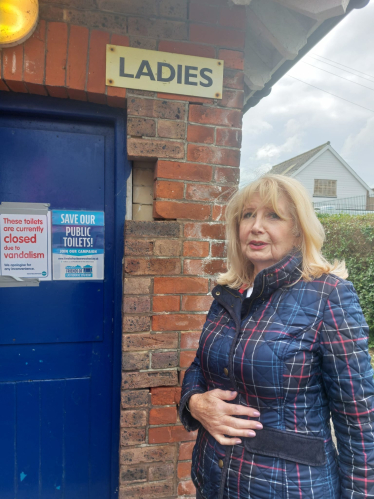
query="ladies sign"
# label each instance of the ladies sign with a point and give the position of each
(163, 72)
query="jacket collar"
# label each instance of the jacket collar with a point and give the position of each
(283, 273)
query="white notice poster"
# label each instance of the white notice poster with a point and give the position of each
(24, 246)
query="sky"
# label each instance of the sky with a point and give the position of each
(296, 117)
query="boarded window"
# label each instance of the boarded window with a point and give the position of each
(325, 188)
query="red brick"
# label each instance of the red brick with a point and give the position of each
(140, 127)
(164, 415)
(221, 37)
(154, 148)
(214, 155)
(197, 303)
(186, 358)
(97, 66)
(165, 396)
(173, 8)
(138, 247)
(227, 175)
(136, 304)
(131, 342)
(165, 360)
(133, 324)
(228, 137)
(133, 436)
(186, 48)
(190, 340)
(161, 472)
(196, 248)
(133, 474)
(57, 40)
(232, 98)
(232, 58)
(169, 190)
(133, 361)
(185, 451)
(137, 286)
(77, 62)
(204, 267)
(133, 418)
(233, 17)
(116, 95)
(204, 231)
(184, 470)
(166, 303)
(215, 116)
(182, 372)
(233, 79)
(152, 266)
(158, 28)
(13, 67)
(147, 490)
(137, 7)
(219, 250)
(183, 171)
(149, 454)
(214, 193)
(202, 13)
(171, 129)
(151, 108)
(218, 213)
(177, 322)
(34, 60)
(165, 247)
(172, 285)
(186, 488)
(149, 379)
(169, 434)
(134, 398)
(173, 210)
(200, 133)
(188, 98)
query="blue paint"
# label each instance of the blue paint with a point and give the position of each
(22, 476)
(75, 154)
(40, 361)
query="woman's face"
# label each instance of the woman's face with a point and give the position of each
(265, 238)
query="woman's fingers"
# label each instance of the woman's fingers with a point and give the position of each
(227, 441)
(241, 410)
(234, 432)
(240, 424)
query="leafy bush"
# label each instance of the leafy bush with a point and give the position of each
(351, 238)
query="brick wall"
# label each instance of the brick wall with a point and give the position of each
(192, 145)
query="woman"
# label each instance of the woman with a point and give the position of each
(283, 350)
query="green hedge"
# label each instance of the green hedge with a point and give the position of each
(351, 238)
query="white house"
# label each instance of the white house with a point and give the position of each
(325, 174)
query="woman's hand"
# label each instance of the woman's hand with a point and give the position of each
(217, 416)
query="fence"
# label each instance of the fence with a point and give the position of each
(357, 205)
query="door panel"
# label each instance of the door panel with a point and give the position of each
(56, 340)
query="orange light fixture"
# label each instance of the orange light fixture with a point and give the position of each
(18, 20)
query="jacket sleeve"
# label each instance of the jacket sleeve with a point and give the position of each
(348, 380)
(193, 382)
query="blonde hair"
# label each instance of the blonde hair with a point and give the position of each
(307, 228)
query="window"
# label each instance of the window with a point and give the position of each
(325, 188)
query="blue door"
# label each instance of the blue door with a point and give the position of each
(58, 434)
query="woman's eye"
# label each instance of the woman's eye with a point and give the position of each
(274, 215)
(248, 214)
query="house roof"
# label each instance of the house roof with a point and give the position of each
(290, 166)
(279, 33)
(296, 164)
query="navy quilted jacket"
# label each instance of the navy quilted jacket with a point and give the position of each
(297, 353)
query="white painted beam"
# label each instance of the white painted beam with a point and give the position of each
(278, 25)
(241, 2)
(316, 9)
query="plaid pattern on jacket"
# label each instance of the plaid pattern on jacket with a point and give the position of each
(299, 355)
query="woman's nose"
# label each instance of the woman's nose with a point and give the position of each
(258, 225)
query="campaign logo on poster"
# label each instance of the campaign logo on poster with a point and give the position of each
(24, 246)
(78, 245)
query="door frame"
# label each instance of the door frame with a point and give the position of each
(22, 105)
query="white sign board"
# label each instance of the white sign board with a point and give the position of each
(24, 246)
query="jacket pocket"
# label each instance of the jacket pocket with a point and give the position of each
(288, 445)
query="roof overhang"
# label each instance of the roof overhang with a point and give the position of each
(280, 32)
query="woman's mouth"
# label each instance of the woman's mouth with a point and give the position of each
(257, 245)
